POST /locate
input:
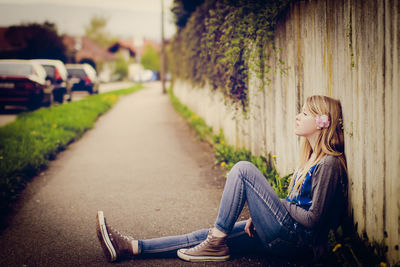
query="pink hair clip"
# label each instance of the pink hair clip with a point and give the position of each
(322, 121)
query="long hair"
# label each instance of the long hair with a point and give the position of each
(330, 141)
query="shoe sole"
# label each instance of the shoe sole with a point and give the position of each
(190, 258)
(105, 242)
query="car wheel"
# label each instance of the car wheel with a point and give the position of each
(33, 105)
(59, 97)
(69, 97)
(50, 101)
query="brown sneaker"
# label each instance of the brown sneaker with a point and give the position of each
(211, 249)
(114, 244)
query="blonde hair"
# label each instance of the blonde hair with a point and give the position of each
(330, 141)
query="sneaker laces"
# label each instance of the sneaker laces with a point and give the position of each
(116, 232)
(202, 244)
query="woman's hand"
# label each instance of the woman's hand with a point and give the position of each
(249, 228)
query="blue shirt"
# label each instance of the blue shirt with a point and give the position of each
(304, 197)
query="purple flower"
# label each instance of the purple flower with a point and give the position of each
(322, 121)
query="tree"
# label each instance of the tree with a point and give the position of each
(121, 68)
(150, 59)
(96, 30)
(29, 41)
(182, 9)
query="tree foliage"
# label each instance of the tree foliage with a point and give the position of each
(182, 10)
(121, 68)
(96, 30)
(29, 41)
(217, 41)
(150, 59)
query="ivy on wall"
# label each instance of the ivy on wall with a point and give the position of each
(219, 40)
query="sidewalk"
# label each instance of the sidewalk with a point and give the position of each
(142, 166)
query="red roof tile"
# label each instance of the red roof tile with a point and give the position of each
(84, 47)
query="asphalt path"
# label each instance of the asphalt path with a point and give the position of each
(142, 165)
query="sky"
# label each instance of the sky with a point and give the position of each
(134, 19)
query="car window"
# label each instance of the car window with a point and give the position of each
(15, 69)
(76, 73)
(50, 71)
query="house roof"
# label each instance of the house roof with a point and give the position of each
(85, 47)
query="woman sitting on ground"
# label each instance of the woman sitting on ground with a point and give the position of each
(289, 226)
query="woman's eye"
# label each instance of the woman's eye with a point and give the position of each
(305, 114)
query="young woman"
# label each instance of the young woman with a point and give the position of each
(289, 226)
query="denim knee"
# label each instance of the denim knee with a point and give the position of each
(245, 170)
(242, 167)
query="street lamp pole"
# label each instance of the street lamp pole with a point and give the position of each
(162, 49)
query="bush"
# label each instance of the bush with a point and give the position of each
(150, 59)
(121, 68)
(219, 40)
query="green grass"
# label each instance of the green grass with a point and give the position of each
(34, 138)
(346, 247)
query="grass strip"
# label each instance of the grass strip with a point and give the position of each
(34, 138)
(346, 247)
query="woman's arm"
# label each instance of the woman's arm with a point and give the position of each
(325, 179)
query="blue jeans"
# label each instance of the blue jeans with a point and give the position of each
(276, 231)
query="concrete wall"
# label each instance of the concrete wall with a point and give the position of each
(347, 49)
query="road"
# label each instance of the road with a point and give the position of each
(11, 112)
(142, 165)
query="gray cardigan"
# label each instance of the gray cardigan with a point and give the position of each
(329, 187)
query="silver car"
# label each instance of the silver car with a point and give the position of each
(84, 76)
(58, 76)
(23, 82)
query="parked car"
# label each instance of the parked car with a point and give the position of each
(85, 78)
(23, 82)
(58, 76)
(145, 76)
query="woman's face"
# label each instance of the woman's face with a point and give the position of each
(305, 123)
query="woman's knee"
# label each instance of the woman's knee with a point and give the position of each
(242, 168)
(245, 170)
(243, 165)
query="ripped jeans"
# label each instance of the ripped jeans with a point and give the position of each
(276, 231)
